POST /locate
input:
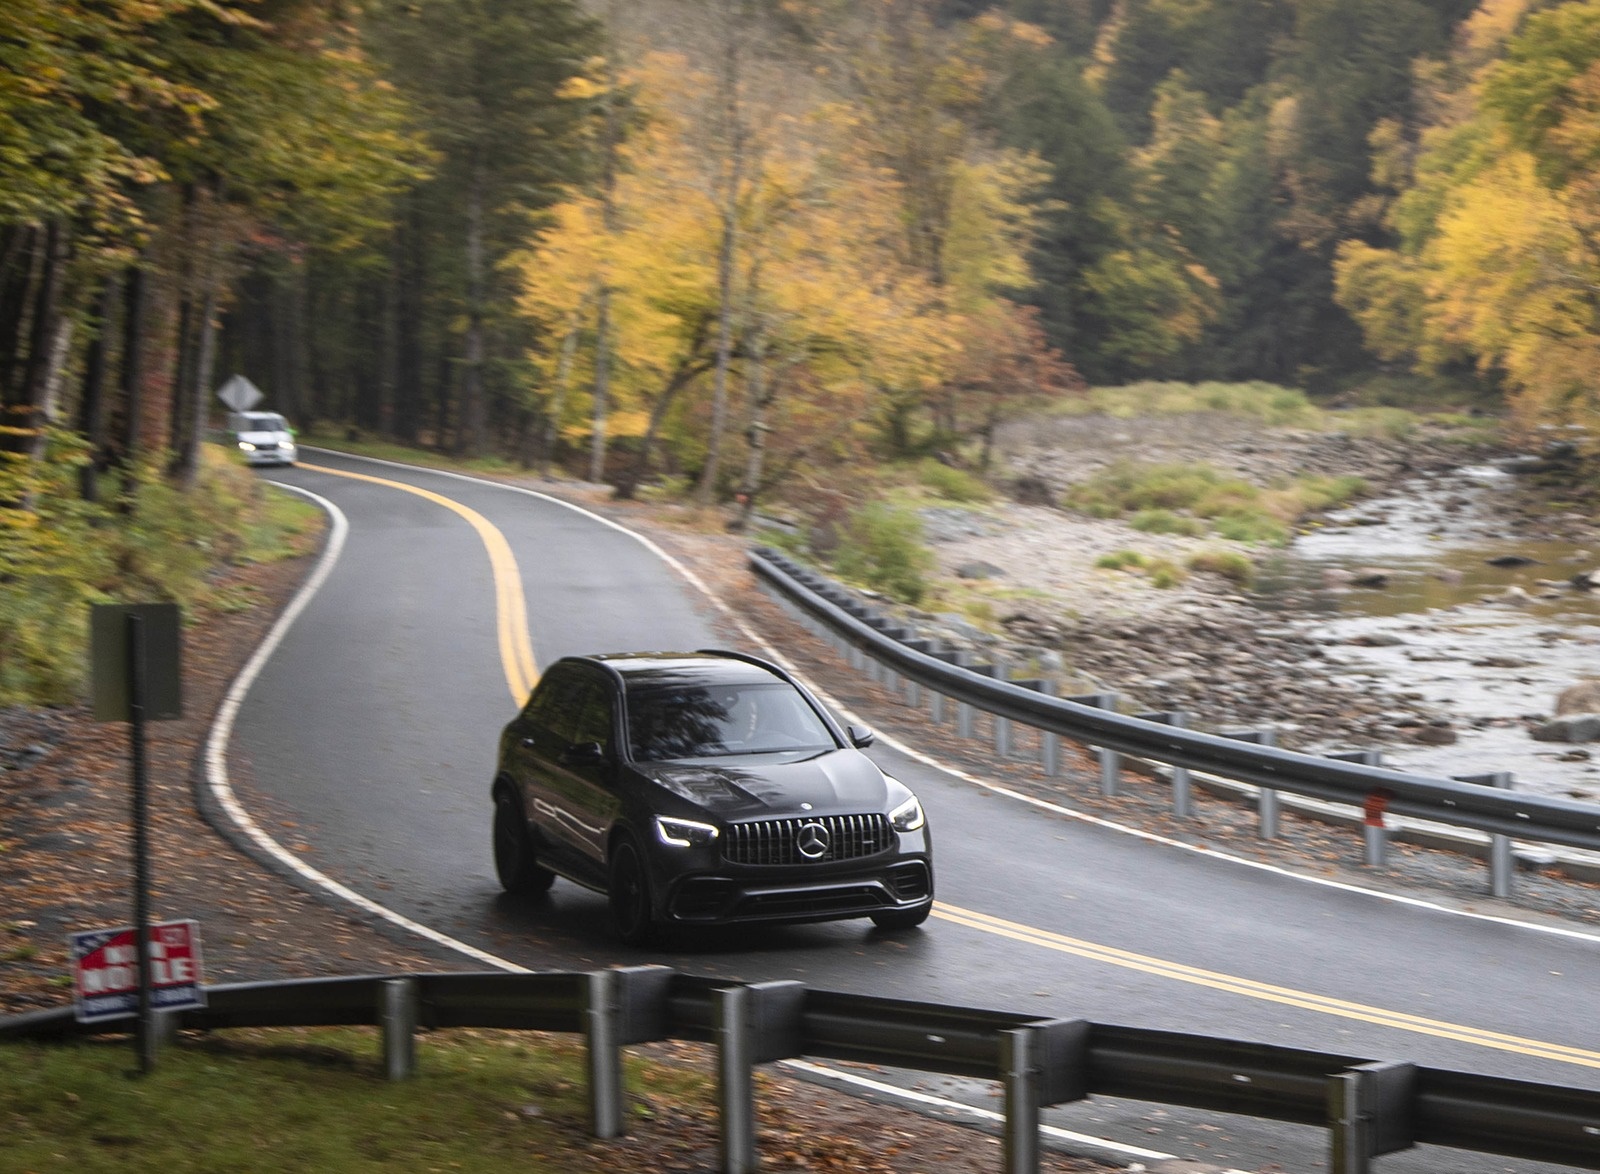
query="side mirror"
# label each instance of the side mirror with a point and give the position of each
(860, 736)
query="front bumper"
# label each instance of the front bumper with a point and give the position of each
(795, 895)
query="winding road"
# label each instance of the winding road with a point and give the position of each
(370, 723)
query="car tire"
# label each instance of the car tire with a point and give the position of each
(897, 920)
(628, 889)
(514, 863)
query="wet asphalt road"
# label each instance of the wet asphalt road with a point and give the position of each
(373, 728)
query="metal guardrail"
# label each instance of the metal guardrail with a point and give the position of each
(1250, 758)
(1369, 1108)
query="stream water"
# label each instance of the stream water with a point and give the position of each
(1443, 629)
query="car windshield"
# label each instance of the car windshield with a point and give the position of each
(263, 423)
(698, 721)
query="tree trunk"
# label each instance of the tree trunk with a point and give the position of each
(602, 387)
(558, 401)
(131, 381)
(734, 130)
(472, 405)
(92, 408)
(761, 395)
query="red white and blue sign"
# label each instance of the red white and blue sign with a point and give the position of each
(105, 970)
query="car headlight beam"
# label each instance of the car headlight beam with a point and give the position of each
(908, 817)
(685, 833)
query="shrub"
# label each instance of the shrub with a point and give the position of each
(952, 484)
(1166, 522)
(1252, 526)
(881, 548)
(1164, 573)
(1230, 564)
(1120, 560)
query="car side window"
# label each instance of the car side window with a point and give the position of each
(553, 708)
(592, 719)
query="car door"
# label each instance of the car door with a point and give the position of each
(590, 775)
(538, 738)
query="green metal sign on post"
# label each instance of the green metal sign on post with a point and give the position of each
(134, 650)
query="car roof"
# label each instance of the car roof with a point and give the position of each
(705, 667)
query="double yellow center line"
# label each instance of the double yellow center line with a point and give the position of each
(511, 611)
(1267, 992)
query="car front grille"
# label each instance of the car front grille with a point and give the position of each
(818, 840)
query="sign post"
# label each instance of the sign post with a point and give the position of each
(134, 650)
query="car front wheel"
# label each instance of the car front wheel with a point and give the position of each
(514, 864)
(628, 888)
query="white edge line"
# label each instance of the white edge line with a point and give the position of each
(959, 1108)
(222, 731)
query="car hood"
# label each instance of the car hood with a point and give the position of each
(752, 788)
(266, 437)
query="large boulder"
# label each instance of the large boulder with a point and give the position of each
(1584, 697)
(1572, 727)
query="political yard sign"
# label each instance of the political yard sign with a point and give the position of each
(105, 970)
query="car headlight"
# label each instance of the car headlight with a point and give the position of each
(908, 816)
(247, 446)
(685, 833)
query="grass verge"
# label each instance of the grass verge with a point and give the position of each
(315, 1099)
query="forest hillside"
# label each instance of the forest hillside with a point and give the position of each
(725, 245)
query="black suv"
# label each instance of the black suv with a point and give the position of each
(703, 788)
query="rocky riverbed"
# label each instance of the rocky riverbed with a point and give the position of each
(1318, 663)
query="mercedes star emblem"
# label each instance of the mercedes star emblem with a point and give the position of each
(812, 841)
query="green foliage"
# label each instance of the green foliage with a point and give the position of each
(1255, 400)
(1161, 521)
(881, 548)
(1230, 564)
(1121, 560)
(952, 484)
(61, 555)
(1164, 573)
(1171, 498)
(1252, 526)
(1160, 572)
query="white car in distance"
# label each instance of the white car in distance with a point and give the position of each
(265, 438)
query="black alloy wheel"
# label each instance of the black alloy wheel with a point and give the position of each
(513, 851)
(628, 888)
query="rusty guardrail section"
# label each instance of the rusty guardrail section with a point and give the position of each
(1248, 757)
(1369, 1108)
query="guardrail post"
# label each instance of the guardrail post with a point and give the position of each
(397, 1019)
(752, 1025)
(1370, 1113)
(1049, 743)
(1182, 788)
(1502, 866)
(1374, 834)
(1019, 1076)
(600, 1016)
(1002, 725)
(1266, 797)
(935, 698)
(164, 1025)
(913, 691)
(1110, 760)
(736, 1103)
